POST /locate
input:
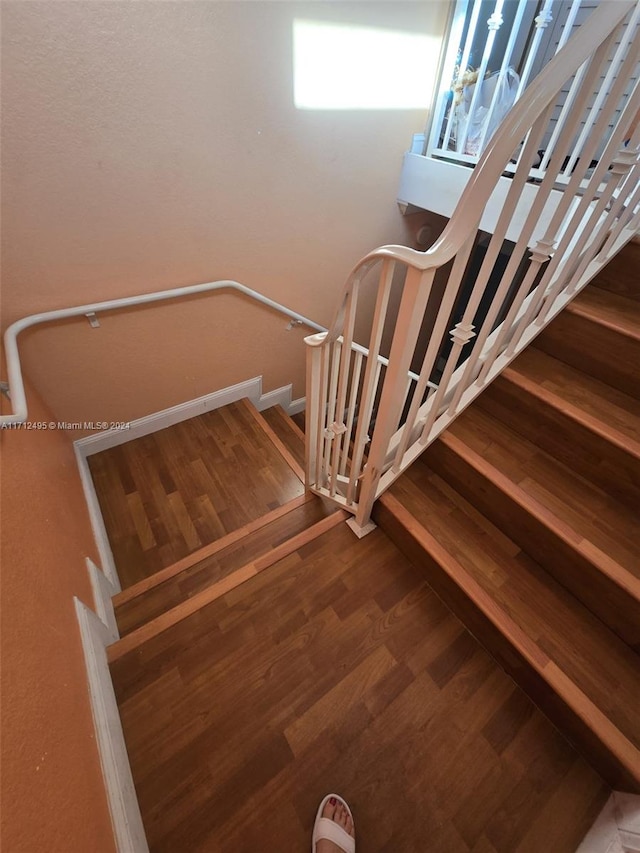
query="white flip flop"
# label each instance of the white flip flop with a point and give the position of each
(326, 829)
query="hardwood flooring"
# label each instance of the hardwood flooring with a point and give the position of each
(606, 347)
(338, 669)
(524, 517)
(168, 494)
(598, 517)
(131, 612)
(538, 604)
(288, 431)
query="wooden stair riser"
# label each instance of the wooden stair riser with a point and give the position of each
(287, 431)
(281, 446)
(622, 274)
(169, 618)
(614, 466)
(525, 665)
(342, 664)
(192, 579)
(594, 348)
(174, 491)
(602, 586)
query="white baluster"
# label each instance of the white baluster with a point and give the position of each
(353, 402)
(446, 307)
(495, 246)
(330, 425)
(542, 21)
(494, 23)
(415, 296)
(506, 62)
(343, 380)
(620, 170)
(371, 376)
(315, 405)
(464, 63)
(445, 77)
(568, 24)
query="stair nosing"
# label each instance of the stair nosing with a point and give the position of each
(607, 732)
(291, 424)
(281, 447)
(210, 550)
(621, 577)
(164, 621)
(583, 312)
(575, 413)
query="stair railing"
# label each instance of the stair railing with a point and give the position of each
(367, 422)
(511, 39)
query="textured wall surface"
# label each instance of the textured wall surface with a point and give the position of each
(144, 146)
(150, 145)
(53, 796)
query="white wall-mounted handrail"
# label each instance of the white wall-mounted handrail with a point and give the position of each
(14, 370)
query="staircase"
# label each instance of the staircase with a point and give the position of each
(289, 652)
(444, 323)
(524, 516)
(289, 655)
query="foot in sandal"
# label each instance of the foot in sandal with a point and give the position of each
(333, 831)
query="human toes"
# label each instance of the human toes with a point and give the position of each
(330, 808)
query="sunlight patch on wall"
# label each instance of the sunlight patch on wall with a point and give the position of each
(346, 67)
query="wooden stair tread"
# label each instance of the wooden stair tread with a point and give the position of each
(134, 610)
(274, 438)
(166, 495)
(563, 629)
(341, 663)
(617, 312)
(287, 430)
(595, 398)
(599, 582)
(192, 606)
(609, 525)
(587, 444)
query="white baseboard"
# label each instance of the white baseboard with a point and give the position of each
(103, 591)
(617, 827)
(251, 389)
(127, 824)
(95, 517)
(297, 406)
(85, 447)
(277, 397)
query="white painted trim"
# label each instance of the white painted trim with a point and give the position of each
(85, 447)
(128, 829)
(250, 389)
(363, 531)
(99, 441)
(14, 370)
(277, 397)
(297, 406)
(617, 827)
(103, 591)
(95, 517)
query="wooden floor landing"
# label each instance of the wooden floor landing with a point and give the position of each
(166, 495)
(338, 669)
